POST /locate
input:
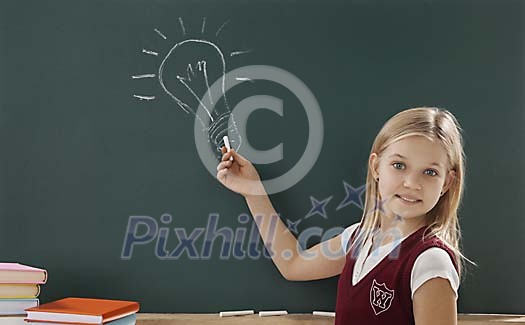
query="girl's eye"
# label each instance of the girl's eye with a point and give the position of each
(432, 172)
(398, 165)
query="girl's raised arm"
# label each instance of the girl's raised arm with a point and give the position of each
(323, 260)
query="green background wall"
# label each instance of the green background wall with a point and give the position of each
(80, 154)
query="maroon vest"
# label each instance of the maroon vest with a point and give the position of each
(383, 296)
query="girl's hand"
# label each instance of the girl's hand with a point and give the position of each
(239, 175)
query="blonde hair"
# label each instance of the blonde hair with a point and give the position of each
(435, 124)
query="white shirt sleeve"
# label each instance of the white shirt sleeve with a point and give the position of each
(347, 233)
(433, 263)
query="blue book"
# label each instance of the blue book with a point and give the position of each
(16, 306)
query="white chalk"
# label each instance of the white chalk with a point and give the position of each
(227, 144)
(236, 313)
(324, 313)
(273, 313)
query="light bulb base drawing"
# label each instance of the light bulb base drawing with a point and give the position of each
(224, 125)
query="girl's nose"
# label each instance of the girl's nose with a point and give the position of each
(412, 181)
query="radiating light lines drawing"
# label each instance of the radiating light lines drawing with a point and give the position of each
(144, 97)
(142, 76)
(150, 52)
(182, 26)
(239, 53)
(160, 33)
(221, 28)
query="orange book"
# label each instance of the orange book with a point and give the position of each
(82, 311)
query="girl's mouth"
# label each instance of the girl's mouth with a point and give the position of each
(407, 201)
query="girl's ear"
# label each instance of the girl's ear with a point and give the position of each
(373, 163)
(451, 175)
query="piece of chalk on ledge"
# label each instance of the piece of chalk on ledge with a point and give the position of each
(227, 144)
(324, 313)
(236, 313)
(273, 313)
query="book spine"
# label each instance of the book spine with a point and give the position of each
(24, 294)
(42, 272)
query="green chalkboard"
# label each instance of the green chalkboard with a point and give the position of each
(92, 142)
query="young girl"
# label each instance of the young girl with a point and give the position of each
(402, 263)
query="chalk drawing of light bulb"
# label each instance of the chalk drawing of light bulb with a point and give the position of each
(185, 74)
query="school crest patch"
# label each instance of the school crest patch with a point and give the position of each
(380, 297)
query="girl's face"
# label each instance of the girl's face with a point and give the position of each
(413, 172)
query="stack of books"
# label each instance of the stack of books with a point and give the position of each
(19, 288)
(84, 311)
